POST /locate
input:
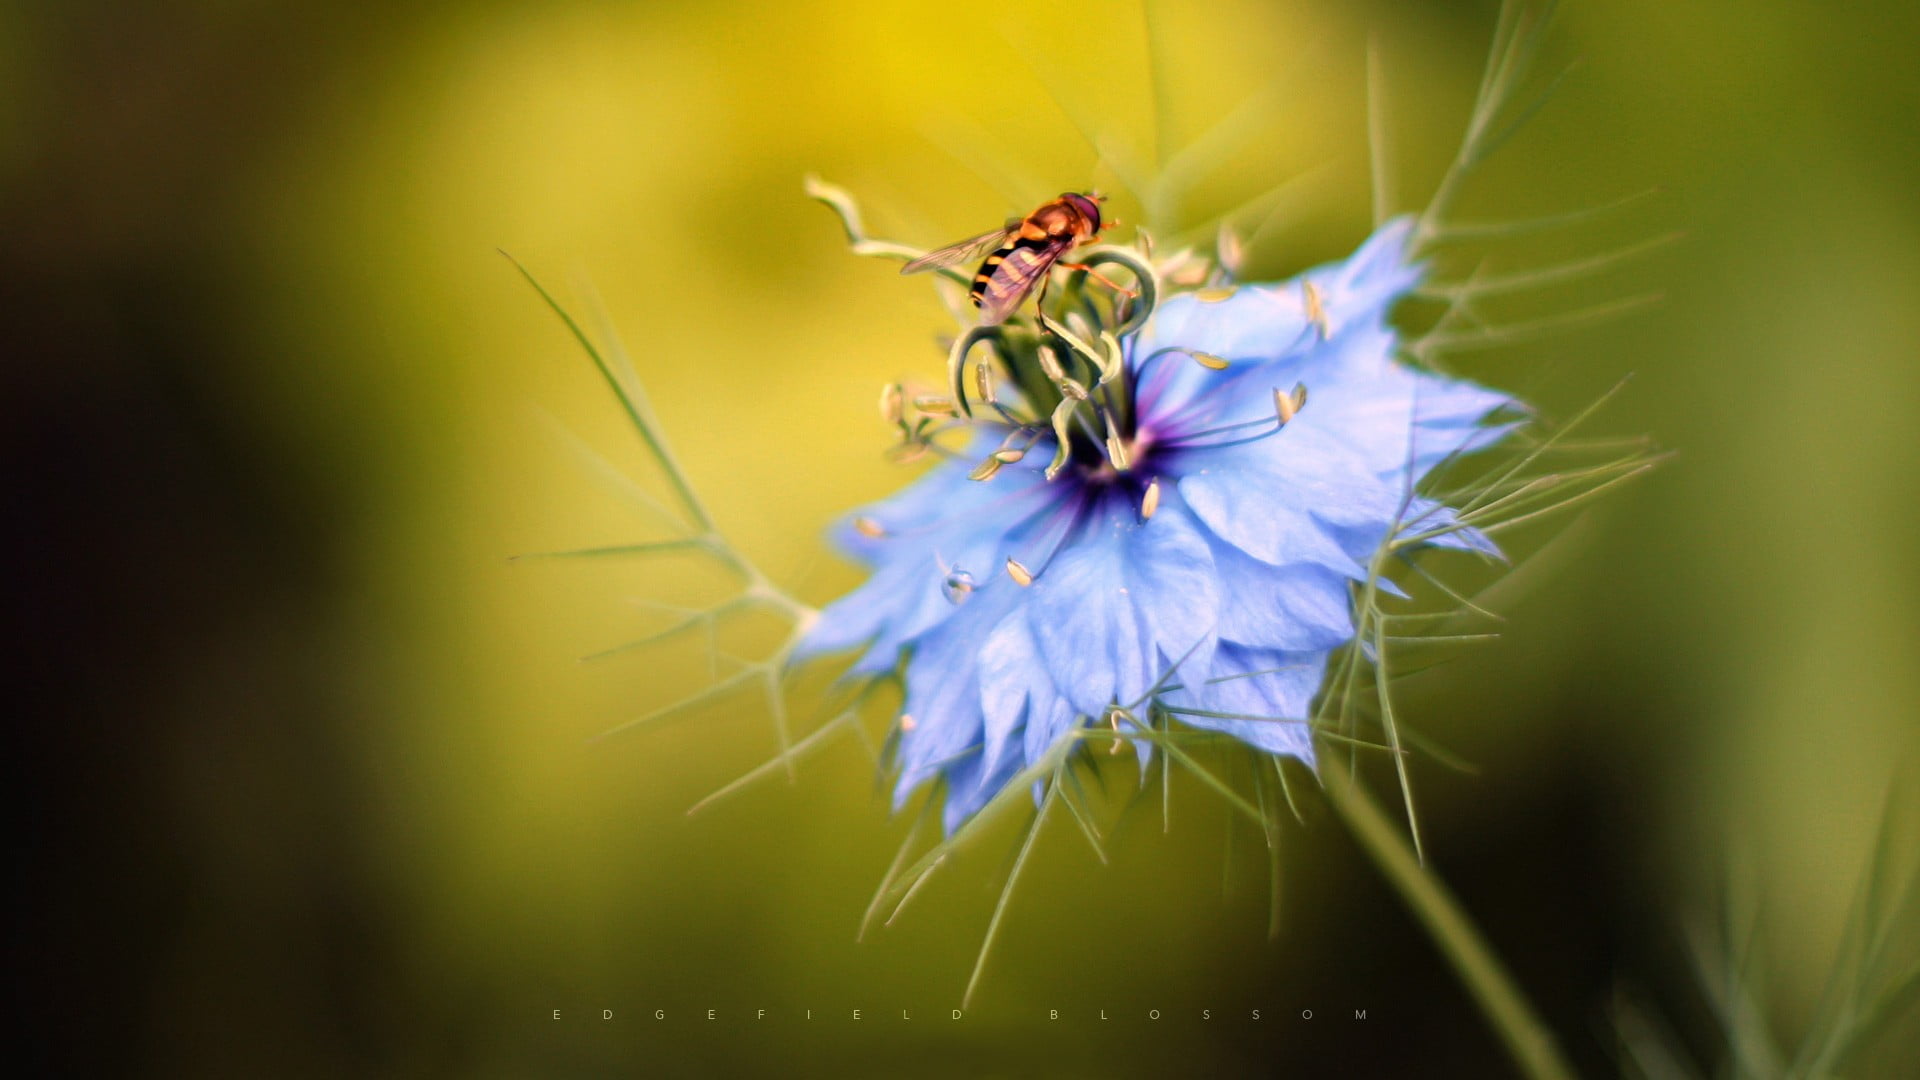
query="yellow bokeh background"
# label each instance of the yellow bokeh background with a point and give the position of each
(1711, 679)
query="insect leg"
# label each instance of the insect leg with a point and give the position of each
(1098, 276)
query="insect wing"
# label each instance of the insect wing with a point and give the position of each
(1008, 282)
(973, 247)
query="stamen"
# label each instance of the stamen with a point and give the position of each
(1287, 406)
(1214, 296)
(869, 528)
(1007, 415)
(1150, 501)
(1230, 442)
(1186, 269)
(934, 404)
(1050, 364)
(983, 379)
(1118, 453)
(1316, 310)
(1050, 367)
(1229, 250)
(907, 722)
(987, 467)
(890, 406)
(1025, 436)
(1222, 430)
(1204, 359)
(1020, 574)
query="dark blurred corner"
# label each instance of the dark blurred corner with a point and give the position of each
(169, 622)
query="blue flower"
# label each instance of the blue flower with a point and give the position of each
(1191, 548)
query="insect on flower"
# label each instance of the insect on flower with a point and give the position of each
(1022, 252)
(1154, 529)
(1141, 537)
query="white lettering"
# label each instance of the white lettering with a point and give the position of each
(1053, 1014)
(1153, 1014)
(1306, 1014)
(1359, 1014)
(762, 1016)
(904, 1016)
(856, 1014)
(659, 1014)
(606, 1014)
(956, 1014)
(1256, 1014)
(556, 1014)
(709, 1014)
(1206, 1014)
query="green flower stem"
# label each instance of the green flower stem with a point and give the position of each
(1526, 1038)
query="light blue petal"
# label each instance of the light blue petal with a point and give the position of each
(1300, 607)
(1270, 693)
(943, 691)
(1123, 602)
(1373, 277)
(971, 786)
(964, 794)
(1265, 330)
(1385, 410)
(1014, 687)
(907, 595)
(1276, 498)
(1047, 724)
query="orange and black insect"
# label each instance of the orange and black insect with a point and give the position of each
(1023, 251)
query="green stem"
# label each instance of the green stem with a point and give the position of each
(1526, 1038)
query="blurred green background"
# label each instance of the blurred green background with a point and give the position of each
(310, 782)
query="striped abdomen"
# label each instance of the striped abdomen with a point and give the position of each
(1009, 274)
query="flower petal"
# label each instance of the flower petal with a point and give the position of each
(1298, 607)
(1265, 695)
(1275, 498)
(943, 691)
(907, 595)
(1015, 689)
(1123, 602)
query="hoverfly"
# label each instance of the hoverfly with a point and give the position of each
(1022, 252)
